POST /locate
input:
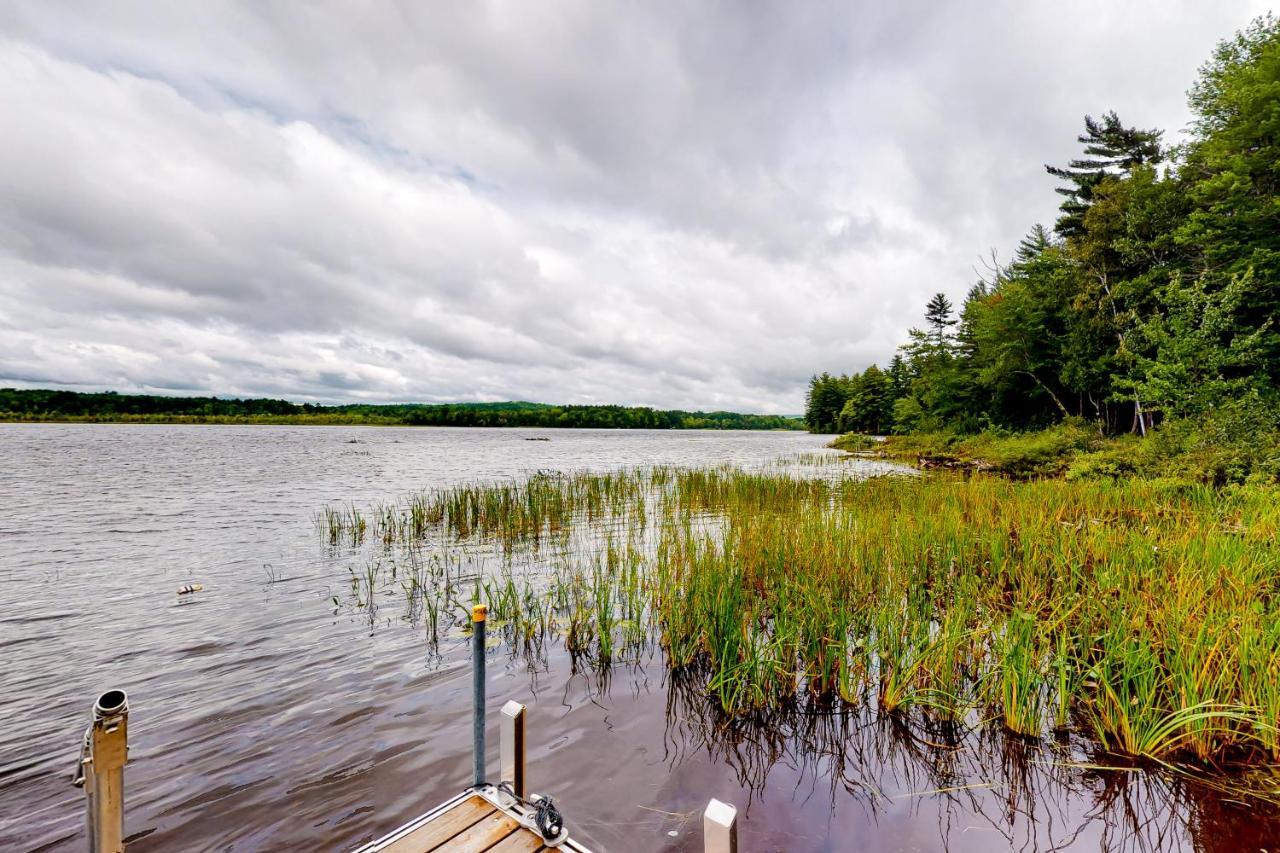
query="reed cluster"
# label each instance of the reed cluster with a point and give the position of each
(1142, 615)
(542, 505)
(545, 505)
(341, 525)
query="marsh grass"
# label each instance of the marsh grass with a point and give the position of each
(341, 525)
(1141, 615)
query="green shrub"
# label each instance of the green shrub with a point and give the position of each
(1118, 457)
(855, 442)
(907, 415)
(1032, 454)
(1236, 443)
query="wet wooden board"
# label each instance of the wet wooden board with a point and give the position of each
(518, 842)
(471, 826)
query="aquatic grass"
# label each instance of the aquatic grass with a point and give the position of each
(1019, 679)
(341, 524)
(1141, 615)
(1047, 564)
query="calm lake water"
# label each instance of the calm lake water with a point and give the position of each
(264, 717)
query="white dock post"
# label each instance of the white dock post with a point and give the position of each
(512, 747)
(719, 828)
(106, 747)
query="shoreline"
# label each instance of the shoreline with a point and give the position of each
(308, 422)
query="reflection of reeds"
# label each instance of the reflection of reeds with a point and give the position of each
(1143, 615)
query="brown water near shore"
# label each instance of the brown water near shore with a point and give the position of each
(265, 717)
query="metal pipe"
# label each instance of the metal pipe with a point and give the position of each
(478, 613)
(511, 747)
(105, 751)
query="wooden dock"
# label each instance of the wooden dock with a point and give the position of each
(472, 822)
(485, 818)
(489, 818)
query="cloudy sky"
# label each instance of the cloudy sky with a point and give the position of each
(663, 203)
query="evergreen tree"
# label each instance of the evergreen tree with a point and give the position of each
(825, 401)
(869, 408)
(1015, 334)
(899, 377)
(1108, 146)
(940, 317)
(1033, 245)
(940, 385)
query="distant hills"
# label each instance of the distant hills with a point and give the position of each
(36, 405)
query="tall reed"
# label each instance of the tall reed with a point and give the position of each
(1143, 615)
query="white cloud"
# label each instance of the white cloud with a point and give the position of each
(677, 205)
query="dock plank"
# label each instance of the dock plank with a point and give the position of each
(482, 835)
(440, 831)
(518, 842)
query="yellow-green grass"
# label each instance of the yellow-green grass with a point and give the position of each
(1140, 614)
(1043, 453)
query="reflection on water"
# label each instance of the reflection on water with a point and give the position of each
(284, 707)
(981, 788)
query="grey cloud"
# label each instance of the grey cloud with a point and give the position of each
(692, 205)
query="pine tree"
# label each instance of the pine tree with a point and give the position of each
(1033, 245)
(899, 378)
(869, 408)
(825, 401)
(1109, 147)
(940, 316)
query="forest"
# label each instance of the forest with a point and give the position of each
(1151, 304)
(54, 405)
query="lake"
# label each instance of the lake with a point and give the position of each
(267, 712)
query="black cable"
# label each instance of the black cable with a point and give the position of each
(546, 817)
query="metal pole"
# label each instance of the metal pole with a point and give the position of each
(719, 828)
(478, 613)
(105, 751)
(511, 743)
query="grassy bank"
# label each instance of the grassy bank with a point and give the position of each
(1215, 451)
(1036, 454)
(1142, 616)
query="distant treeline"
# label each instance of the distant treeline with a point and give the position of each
(110, 407)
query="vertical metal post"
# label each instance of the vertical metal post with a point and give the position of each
(719, 828)
(512, 747)
(478, 613)
(105, 751)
